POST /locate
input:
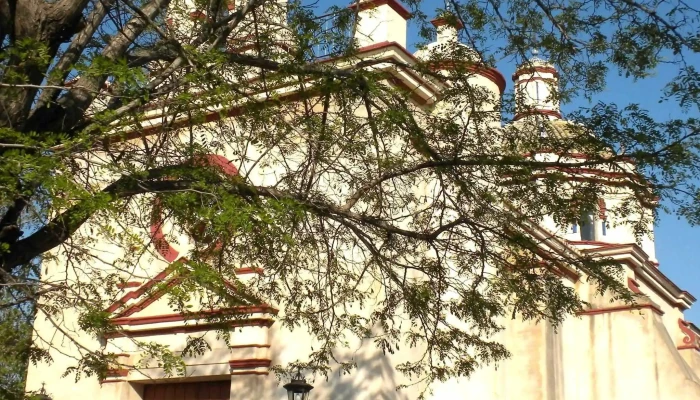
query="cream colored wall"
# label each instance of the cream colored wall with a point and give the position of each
(380, 24)
(607, 356)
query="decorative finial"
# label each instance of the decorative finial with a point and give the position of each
(535, 52)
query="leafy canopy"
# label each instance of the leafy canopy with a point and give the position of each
(107, 109)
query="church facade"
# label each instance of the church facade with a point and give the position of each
(610, 351)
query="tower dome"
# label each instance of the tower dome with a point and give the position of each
(447, 55)
(536, 89)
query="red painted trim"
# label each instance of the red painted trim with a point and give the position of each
(236, 111)
(532, 69)
(659, 272)
(250, 363)
(118, 372)
(247, 346)
(163, 247)
(396, 81)
(364, 5)
(602, 209)
(535, 78)
(130, 284)
(558, 270)
(176, 317)
(166, 249)
(411, 91)
(491, 74)
(494, 76)
(248, 270)
(597, 243)
(442, 21)
(376, 46)
(145, 287)
(667, 297)
(633, 286)
(141, 305)
(691, 339)
(557, 267)
(250, 373)
(524, 114)
(190, 328)
(607, 310)
(688, 347)
(565, 273)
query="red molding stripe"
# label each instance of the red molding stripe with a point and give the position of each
(633, 286)
(552, 113)
(605, 245)
(150, 299)
(532, 69)
(248, 270)
(608, 310)
(264, 322)
(363, 5)
(126, 285)
(602, 209)
(441, 21)
(250, 373)
(250, 363)
(145, 287)
(491, 74)
(248, 346)
(549, 81)
(237, 110)
(176, 317)
(163, 247)
(118, 372)
(691, 340)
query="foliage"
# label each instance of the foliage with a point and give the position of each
(15, 340)
(108, 112)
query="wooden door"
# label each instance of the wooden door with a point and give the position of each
(214, 390)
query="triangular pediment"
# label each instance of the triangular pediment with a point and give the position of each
(149, 303)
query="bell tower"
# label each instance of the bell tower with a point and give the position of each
(536, 89)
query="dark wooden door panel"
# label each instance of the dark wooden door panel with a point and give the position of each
(215, 390)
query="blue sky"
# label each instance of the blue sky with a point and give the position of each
(676, 241)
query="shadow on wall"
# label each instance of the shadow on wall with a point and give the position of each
(375, 377)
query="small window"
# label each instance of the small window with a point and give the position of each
(587, 226)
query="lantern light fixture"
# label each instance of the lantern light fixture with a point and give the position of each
(298, 388)
(42, 394)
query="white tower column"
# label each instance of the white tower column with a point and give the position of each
(537, 89)
(380, 21)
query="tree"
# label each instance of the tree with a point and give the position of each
(84, 160)
(15, 338)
